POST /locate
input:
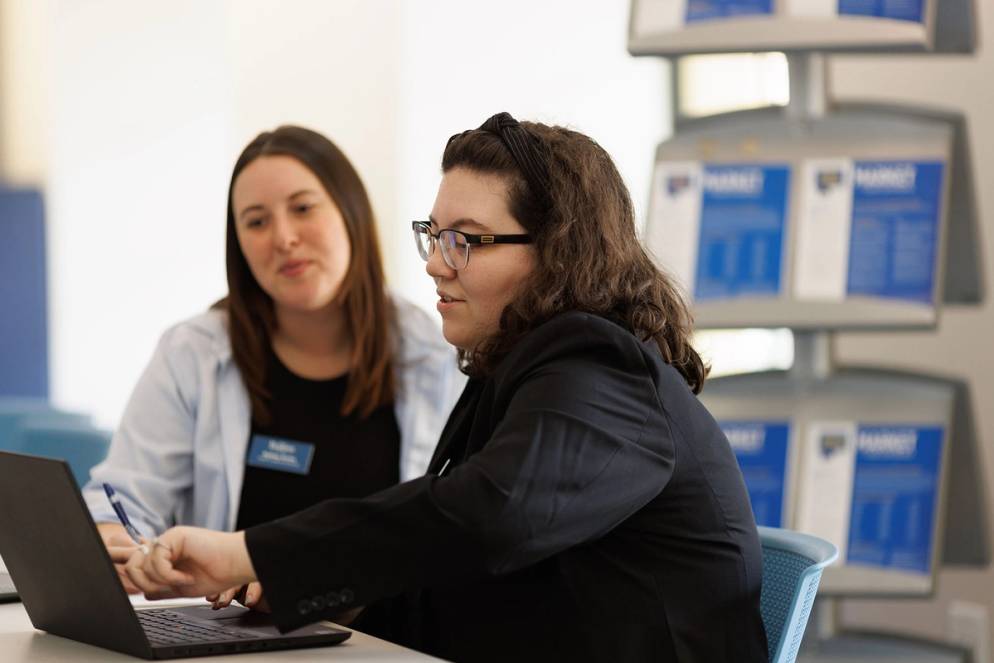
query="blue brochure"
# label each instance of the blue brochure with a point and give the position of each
(900, 10)
(894, 496)
(706, 10)
(743, 212)
(895, 229)
(761, 449)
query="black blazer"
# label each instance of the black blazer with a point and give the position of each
(589, 509)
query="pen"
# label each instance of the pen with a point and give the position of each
(122, 515)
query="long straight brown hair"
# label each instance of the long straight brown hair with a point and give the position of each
(251, 314)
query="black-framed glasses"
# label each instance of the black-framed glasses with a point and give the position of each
(455, 243)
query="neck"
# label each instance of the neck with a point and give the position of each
(313, 344)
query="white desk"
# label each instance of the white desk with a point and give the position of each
(19, 641)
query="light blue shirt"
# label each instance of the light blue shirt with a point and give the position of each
(178, 456)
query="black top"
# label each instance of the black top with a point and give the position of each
(592, 510)
(352, 457)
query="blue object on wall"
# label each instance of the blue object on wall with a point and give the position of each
(761, 450)
(895, 497)
(895, 229)
(706, 10)
(899, 10)
(23, 295)
(743, 216)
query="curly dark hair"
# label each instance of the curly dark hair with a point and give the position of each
(588, 254)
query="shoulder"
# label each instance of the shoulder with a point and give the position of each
(574, 355)
(187, 357)
(417, 335)
(584, 368)
(202, 336)
(578, 337)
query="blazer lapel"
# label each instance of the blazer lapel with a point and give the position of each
(452, 443)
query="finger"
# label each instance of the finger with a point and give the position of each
(167, 552)
(150, 568)
(129, 586)
(121, 554)
(224, 599)
(119, 539)
(253, 592)
(136, 574)
(159, 567)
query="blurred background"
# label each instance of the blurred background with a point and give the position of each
(128, 117)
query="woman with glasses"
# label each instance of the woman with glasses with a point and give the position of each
(308, 381)
(581, 504)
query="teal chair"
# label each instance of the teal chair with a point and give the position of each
(17, 412)
(82, 446)
(792, 566)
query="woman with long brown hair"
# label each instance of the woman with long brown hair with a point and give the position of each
(307, 382)
(581, 505)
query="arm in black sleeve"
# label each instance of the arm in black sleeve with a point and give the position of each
(581, 445)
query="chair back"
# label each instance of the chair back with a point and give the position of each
(17, 412)
(792, 566)
(82, 446)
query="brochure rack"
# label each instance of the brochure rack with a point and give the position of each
(823, 217)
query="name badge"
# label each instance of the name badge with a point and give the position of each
(281, 455)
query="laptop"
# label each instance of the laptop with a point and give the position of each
(8, 593)
(69, 587)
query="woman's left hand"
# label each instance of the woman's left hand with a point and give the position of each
(189, 561)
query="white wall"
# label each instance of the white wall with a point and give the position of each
(135, 187)
(130, 115)
(557, 61)
(151, 103)
(332, 66)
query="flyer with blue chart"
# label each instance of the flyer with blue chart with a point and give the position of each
(742, 218)
(761, 450)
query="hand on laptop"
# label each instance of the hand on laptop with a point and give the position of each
(121, 547)
(249, 595)
(190, 561)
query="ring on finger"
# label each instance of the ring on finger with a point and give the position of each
(159, 544)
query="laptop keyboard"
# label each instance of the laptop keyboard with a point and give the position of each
(167, 627)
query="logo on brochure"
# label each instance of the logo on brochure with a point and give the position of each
(827, 180)
(746, 439)
(677, 184)
(832, 443)
(893, 443)
(888, 177)
(735, 181)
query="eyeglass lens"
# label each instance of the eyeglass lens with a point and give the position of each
(455, 248)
